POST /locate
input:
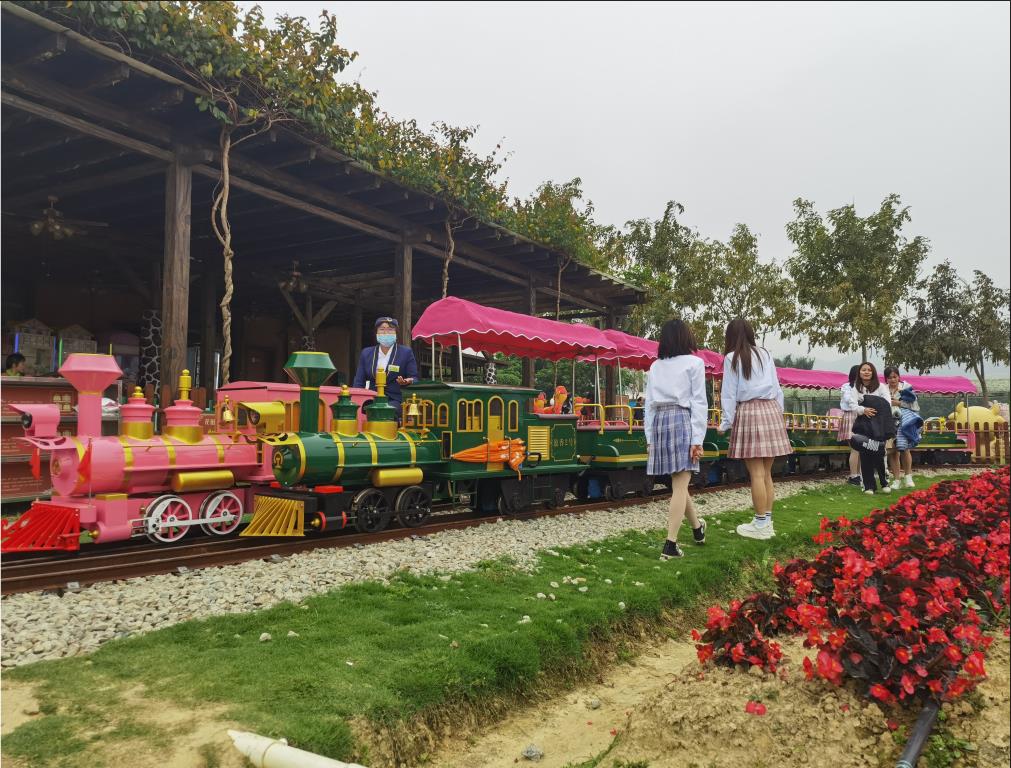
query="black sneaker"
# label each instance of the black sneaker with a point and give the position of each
(699, 534)
(671, 549)
(855, 480)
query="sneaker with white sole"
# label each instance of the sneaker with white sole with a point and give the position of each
(869, 492)
(752, 531)
(896, 484)
(886, 488)
(699, 534)
(671, 550)
(909, 482)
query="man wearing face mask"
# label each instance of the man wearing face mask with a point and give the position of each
(397, 360)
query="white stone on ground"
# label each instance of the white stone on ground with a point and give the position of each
(40, 626)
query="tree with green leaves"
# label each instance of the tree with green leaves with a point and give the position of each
(851, 273)
(955, 321)
(705, 282)
(800, 361)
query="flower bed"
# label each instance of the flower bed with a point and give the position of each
(897, 601)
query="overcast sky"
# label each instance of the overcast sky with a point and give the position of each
(732, 109)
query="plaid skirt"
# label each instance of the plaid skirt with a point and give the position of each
(902, 443)
(670, 442)
(758, 431)
(846, 426)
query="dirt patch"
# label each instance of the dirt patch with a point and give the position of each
(668, 711)
(168, 735)
(18, 705)
(579, 725)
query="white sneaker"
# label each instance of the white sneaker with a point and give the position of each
(909, 482)
(886, 489)
(869, 493)
(752, 531)
(896, 484)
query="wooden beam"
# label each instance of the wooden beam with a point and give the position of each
(165, 98)
(92, 184)
(176, 272)
(300, 156)
(78, 164)
(51, 92)
(243, 167)
(45, 144)
(107, 78)
(49, 46)
(403, 282)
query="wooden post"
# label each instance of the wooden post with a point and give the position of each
(355, 341)
(529, 372)
(403, 270)
(610, 388)
(176, 273)
(209, 338)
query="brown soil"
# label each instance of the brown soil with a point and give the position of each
(668, 712)
(192, 737)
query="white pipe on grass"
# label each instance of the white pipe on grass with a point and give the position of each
(264, 752)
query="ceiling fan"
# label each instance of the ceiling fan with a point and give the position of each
(53, 223)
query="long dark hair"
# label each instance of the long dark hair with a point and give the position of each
(854, 375)
(740, 340)
(874, 378)
(889, 370)
(676, 338)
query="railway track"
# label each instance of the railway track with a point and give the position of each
(70, 571)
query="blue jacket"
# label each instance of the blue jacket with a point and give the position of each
(402, 363)
(910, 424)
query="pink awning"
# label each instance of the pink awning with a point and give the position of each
(638, 353)
(451, 321)
(927, 385)
(804, 379)
(941, 385)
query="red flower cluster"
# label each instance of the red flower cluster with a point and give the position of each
(896, 603)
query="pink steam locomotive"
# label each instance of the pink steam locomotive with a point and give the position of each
(139, 483)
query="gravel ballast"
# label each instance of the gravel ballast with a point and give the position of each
(40, 625)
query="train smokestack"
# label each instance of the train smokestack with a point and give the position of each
(90, 374)
(310, 370)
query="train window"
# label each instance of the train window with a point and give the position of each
(477, 421)
(427, 413)
(495, 407)
(447, 444)
(514, 416)
(443, 412)
(462, 412)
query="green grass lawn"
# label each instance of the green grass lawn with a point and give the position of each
(387, 653)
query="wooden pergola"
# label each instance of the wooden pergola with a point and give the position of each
(120, 141)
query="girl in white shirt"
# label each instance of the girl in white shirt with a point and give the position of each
(752, 403)
(675, 426)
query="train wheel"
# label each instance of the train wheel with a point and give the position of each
(161, 521)
(413, 506)
(372, 510)
(556, 498)
(614, 490)
(509, 503)
(224, 510)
